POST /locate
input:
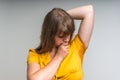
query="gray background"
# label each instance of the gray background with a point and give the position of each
(20, 26)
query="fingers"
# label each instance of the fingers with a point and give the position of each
(65, 44)
(63, 50)
(64, 47)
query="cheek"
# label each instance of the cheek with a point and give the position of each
(58, 41)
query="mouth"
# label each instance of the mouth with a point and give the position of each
(65, 44)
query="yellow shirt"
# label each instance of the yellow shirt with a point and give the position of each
(71, 66)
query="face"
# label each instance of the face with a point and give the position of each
(59, 39)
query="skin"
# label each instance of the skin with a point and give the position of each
(86, 15)
(61, 46)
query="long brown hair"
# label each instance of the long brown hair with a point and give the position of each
(57, 21)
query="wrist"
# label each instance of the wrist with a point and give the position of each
(59, 57)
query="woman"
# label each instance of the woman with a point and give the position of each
(58, 55)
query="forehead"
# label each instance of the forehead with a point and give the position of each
(62, 34)
(63, 31)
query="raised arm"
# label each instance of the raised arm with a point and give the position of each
(86, 15)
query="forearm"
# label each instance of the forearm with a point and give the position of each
(48, 72)
(80, 12)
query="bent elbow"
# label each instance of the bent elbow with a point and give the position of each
(31, 77)
(91, 9)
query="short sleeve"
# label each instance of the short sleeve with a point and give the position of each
(78, 46)
(32, 57)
